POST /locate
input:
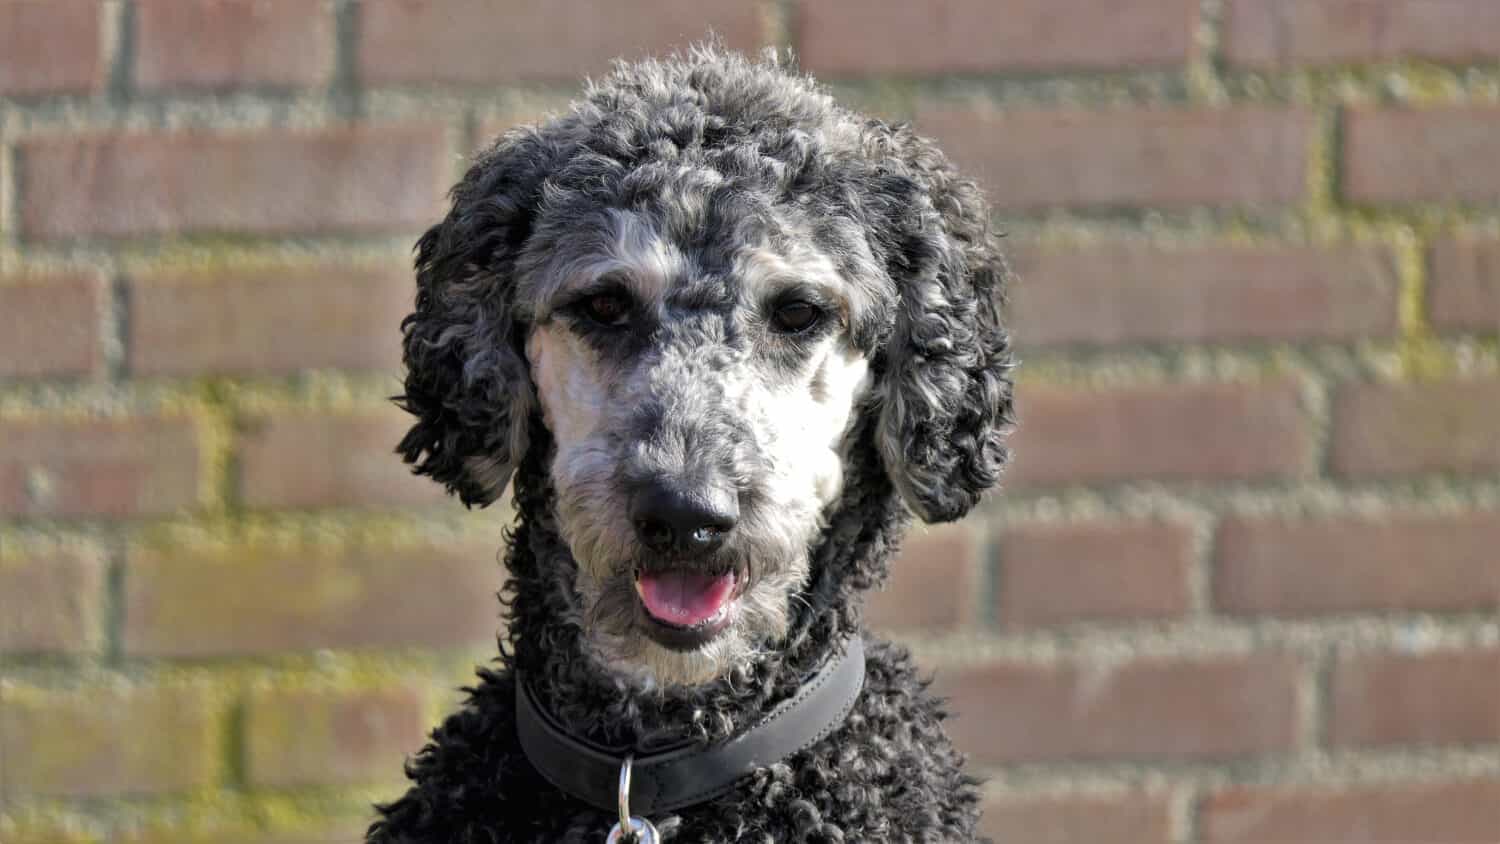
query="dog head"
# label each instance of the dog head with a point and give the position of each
(697, 282)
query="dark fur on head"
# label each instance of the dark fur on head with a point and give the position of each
(942, 349)
(910, 239)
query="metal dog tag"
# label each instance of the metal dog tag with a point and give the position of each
(641, 832)
(630, 829)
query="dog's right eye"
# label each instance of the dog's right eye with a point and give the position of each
(610, 309)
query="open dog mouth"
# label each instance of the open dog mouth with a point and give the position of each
(686, 608)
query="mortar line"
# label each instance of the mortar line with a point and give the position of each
(117, 329)
(10, 204)
(1318, 720)
(1185, 807)
(345, 92)
(116, 575)
(118, 19)
(235, 753)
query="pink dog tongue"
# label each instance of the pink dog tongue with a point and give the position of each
(684, 598)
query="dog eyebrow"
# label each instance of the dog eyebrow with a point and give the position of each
(630, 250)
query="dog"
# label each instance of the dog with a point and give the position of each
(726, 337)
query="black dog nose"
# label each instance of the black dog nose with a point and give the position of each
(673, 519)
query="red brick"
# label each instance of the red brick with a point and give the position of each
(184, 604)
(1391, 429)
(1079, 819)
(223, 43)
(271, 322)
(60, 605)
(932, 582)
(1351, 564)
(366, 179)
(107, 741)
(301, 738)
(1034, 159)
(97, 468)
(1283, 33)
(50, 47)
(51, 326)
(1439, 154)
(1125, 294)
(476, 41)
(295, 460)
(1451, 813)
(1464, 294)
(1099, 571)
(1165, 432)
(1141, 710)
(1450, 697)
(843, 37)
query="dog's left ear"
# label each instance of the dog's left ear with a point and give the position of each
(947, 378)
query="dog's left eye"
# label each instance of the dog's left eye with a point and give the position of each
(611, 309)
(795, 317)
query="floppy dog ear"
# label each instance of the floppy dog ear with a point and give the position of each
(467, 380)
(947, 381)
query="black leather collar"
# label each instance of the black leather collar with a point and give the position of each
(682, 775)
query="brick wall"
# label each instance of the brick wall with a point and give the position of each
(1243, 583)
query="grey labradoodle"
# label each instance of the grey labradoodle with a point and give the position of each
(725, 337)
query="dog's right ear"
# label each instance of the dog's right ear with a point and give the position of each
(467, 380)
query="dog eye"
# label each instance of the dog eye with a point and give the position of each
(795, 317)
(610, 309)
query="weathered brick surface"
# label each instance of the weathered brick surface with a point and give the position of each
(474, 41)
(107, 741)
(50, 326)
(52, 603)
(366, 179)
(1126, 294)
(50, 47)
(1171, 433)
(123, 467)
(195, 198)
(309, 459)
(297, 738)
(846, 37)
(1093, 571)
(185, 604)
(1383, 429)
(1433, 154)
(1285, 33)
(1464, 294)
(1272, 566)
(270, 322)
(52, 833)
(1457, 812)
(1121, 819)
(1247, 155)
(1231, 706)
(224, 43)
(933, 582)
(1447, 697)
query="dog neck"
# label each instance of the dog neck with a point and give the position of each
(863, 529)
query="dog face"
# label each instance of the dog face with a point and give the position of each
(699, 280)
(698, 396)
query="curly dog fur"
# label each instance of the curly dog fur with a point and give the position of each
(706, 169)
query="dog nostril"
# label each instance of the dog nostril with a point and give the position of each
(654, 534)
(670, 518)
